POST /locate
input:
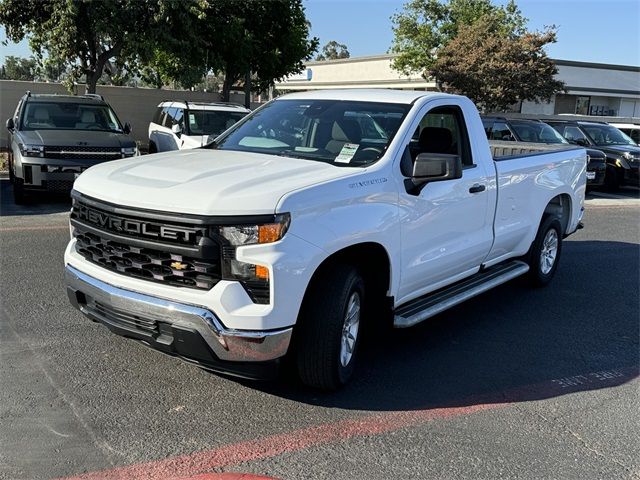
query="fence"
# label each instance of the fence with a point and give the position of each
(133, 105)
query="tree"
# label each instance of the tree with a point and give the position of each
(426, 26)
(267, 39)
(497, 70)
(16, 68)
(85, 35)
(333, 50)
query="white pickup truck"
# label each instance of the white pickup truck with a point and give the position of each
(317, 216)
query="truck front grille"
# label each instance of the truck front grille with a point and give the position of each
(83, 153)
(147, 263)
(174, 253)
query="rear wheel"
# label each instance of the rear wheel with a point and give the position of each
(329, 332)
(544, 254)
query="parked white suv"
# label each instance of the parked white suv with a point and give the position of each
(182, 125)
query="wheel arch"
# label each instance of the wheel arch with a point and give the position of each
(561, 207)
(372, 261)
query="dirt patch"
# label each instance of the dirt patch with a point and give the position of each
(4, 161)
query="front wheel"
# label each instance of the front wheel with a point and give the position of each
(544, 254)
(330, 327)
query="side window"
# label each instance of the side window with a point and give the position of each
(443, 130)
(573, 134)
(170, 113)
(488, 127)
(500, 131)
(178, 118)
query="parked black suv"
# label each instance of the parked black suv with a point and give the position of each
(53, 138)
(536, 131)
(623, 155)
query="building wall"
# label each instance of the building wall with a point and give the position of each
(609, 89)
(357, 72)
(545, 108)
(133, 105)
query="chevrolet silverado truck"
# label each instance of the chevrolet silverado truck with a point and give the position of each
(319, 215)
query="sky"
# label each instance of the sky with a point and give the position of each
(602, 31)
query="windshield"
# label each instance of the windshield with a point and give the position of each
(537, 132)
(69, 116)
(604, 135)
(211, 122)
(343, 133)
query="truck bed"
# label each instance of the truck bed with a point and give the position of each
(506, 150)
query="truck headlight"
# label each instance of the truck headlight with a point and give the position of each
(129, 151)
(628, 155)
(254, 278)
(31, 150)
(239, 235)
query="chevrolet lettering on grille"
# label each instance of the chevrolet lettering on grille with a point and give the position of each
(134, 227)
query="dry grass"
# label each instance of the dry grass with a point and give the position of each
(4, 158)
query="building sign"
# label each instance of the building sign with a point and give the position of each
(303, 76)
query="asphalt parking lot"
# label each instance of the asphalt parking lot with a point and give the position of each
(517, 383)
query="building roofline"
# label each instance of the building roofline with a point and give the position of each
(566, 63)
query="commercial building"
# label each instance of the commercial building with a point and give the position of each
(594, 89)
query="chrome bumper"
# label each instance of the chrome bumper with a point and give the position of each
(156, 321)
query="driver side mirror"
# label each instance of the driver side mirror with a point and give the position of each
(434, 167)
(177, 130)
(127, 128)
(10, 124)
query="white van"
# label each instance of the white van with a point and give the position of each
(631, 129)
(181, 125)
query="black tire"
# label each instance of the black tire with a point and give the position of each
(19, 195)
(152, 148)
(539, 275)
(611, 179)
(319, 332)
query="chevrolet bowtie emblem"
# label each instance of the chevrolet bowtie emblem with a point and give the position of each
(179, 266)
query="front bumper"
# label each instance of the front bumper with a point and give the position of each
(632, 175)
(188, 331)
(596, 173)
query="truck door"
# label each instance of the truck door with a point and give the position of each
(447, 228)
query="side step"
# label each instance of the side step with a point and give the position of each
(433, 303)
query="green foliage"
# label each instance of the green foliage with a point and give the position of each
(84, 35)
(269, 38)
(497, 70)
(425, 26)
(333, 51)
(164, 42)
(16, 68)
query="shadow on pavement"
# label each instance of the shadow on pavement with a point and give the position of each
(622, 193)
(508, 344)
(38, 203)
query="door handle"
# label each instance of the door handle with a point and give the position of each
(477, 188)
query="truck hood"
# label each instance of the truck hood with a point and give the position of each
(205, 182)
(65, 138)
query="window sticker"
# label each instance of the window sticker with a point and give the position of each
(347, 153)
(192, 119)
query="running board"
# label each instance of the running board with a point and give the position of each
(433, 303)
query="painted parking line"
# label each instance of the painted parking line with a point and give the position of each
(193, 465)
(35, 228)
